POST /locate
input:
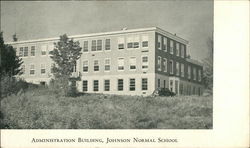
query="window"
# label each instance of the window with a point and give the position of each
(132, 63)
(107, 44)
(32, 69)
(121, 42)
(159, 63)
(171, 66)
(194, 73)
(93, 45)
(136, 42)
(99, 45)
(33, 51)
(171, 46)
(43, 49)
(130, 42)
(26, 51)
(177, 49)
(182, 51)
(171, 85)
(189, 72)
(120, 85)
(96, 65)
(177, 68)
(96, 85)
(85, 67)
(51, 48)
(23, 69)
(120, 63)
(165, 44)
(43, 70)
(165, 64)
(159, 83)
(21, 52)
(144, 84)
(84, 85)
(107, 65)
(106, 85)
(159, 42)
(132, 84)
(199, 75)
(182, 70)
(85, 46)
(144, 41)
(145, 62)
(164, 84)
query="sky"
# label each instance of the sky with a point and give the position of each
(191, 20)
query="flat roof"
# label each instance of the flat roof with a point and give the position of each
(157, 29)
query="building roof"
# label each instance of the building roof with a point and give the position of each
(124, 30)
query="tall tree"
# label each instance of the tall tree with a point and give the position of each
(65, 55)
(9, 62)
(208, 67)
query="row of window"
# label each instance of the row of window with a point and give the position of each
(179, 68)
(32, 70)
(120, 64)
(120, 84)
(179, 48)
(24, 51)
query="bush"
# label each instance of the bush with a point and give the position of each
(163, 92)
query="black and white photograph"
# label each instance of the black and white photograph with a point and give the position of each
(107, 65)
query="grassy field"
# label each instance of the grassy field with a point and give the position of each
(43, 109)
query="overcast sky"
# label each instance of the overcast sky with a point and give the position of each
(191, 20)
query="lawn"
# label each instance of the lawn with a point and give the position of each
(43, 109)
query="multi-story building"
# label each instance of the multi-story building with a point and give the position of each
(127, 62)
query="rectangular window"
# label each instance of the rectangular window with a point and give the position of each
(199, 75)
(50, 49)
(159, 83)
(136, 42)
(43, 69)
(144, 84)
(194, 73)
(96, 65)
(107, 44)
(26, 51)
(164, 84)
(43, 49)
(182, 70)
(99, 45)
(177, 49)
(23, 69)
(144, 41)
(130, 42)
(33, 51)
(84, 85)
(159, 42)
(171, 85)
(106, 85)
(132, 63)
(165, 64)
(85, 67)
(120, 63)
(182, 51)
(145, 62)
(189, 72)
(177, 68)
(21, 52)
(107, 65)
(85, 46)
(121, 42)
(159, 63)
(165, 44)
(32, 69)
(171, 66)
(132, 84)
(96, 85)
(120, 85)
(171, 46)
(93, 45)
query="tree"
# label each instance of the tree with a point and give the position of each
(65, 55)
(208, 67)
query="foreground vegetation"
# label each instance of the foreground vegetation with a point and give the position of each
(45, 109)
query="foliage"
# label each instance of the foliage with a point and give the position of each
(65, 55)
(208, 67)
(42, 109)
(165, 92)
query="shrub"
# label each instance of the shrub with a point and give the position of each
(163, 92)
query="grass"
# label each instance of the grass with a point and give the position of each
(44, 109)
